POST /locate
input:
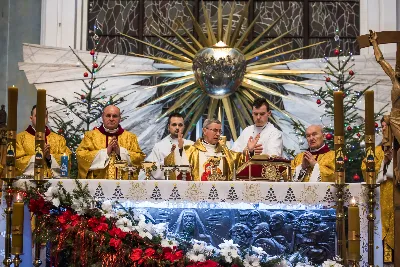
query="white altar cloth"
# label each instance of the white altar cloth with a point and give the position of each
(228, 195)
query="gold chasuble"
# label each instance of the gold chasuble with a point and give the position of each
(228, 160)
(93, 161)
(386, 194)
(25, 159)
(323, 171)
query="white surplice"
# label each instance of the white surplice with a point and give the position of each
(270, 138)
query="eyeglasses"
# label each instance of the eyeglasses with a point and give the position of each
(177, 124)
(215, 130)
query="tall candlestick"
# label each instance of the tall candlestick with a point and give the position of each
(338, 113)
(40, 134)
(11, 131)
(370, 137)
(41, 111)
(354, 231)
(369, 113)
(17, 225)
(12, 108)
(339, 137)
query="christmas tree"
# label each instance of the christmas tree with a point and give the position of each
(88, 103)
(339, 76)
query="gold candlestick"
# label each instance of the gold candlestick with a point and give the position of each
(339, 173)
(39, 187)
(40, 138)
(10, 163)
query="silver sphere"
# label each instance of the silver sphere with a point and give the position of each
(219, 70)
(362, 144)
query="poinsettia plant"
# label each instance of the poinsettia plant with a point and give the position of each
(84, 231)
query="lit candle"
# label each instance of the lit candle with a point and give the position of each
(41, 110)
(12, 108)
(354, 230)
(64, 165)
(17, 224)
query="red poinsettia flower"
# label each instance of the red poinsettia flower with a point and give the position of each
(116, 232)
(207, 263)
(136, 255)
(141, 256)
(172, 254)
(67, 219)
(38, 206)
(115, 242)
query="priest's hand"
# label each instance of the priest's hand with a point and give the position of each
(180, 139)
(117, 149)
(310, 158)
(46, 151)
(173, 148)
(252, 143)
(111, 146)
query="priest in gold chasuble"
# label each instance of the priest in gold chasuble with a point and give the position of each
(101, 147)
(317, 164)
(210, 161)
(55, 147)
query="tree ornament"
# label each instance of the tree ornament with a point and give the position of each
(83, 97)
(92, 52)
(78, 64)
(362, 144)
(60, 131)
(349, 128)
(351, 73)
(346, 159)
(85, 74)
(337, 52)
(328, 79)
(356, 177)
(318, 101)
(301, 141)
(376, 125)
(358, 135)
(329, 136)
(95, 65)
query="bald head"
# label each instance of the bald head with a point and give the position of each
(315, 136)
(111, 117)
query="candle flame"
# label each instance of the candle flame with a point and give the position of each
(353, 201)
(19, 197)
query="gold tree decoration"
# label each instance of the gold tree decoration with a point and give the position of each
(218, 71)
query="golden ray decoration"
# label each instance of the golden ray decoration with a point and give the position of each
(203, 87)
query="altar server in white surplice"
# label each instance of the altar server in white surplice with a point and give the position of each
(270, 142)
(163, 148)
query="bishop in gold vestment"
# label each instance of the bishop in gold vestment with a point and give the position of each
(25, 150)
(208, 153)
(101, 147)
(317, 164)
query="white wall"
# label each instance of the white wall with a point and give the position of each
(379, 15)
(64, 23)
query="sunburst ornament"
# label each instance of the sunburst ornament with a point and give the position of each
(216, 71)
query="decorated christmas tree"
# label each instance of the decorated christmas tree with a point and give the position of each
(339, 76)
(88, 103)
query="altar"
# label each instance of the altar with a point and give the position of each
(279, 217)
